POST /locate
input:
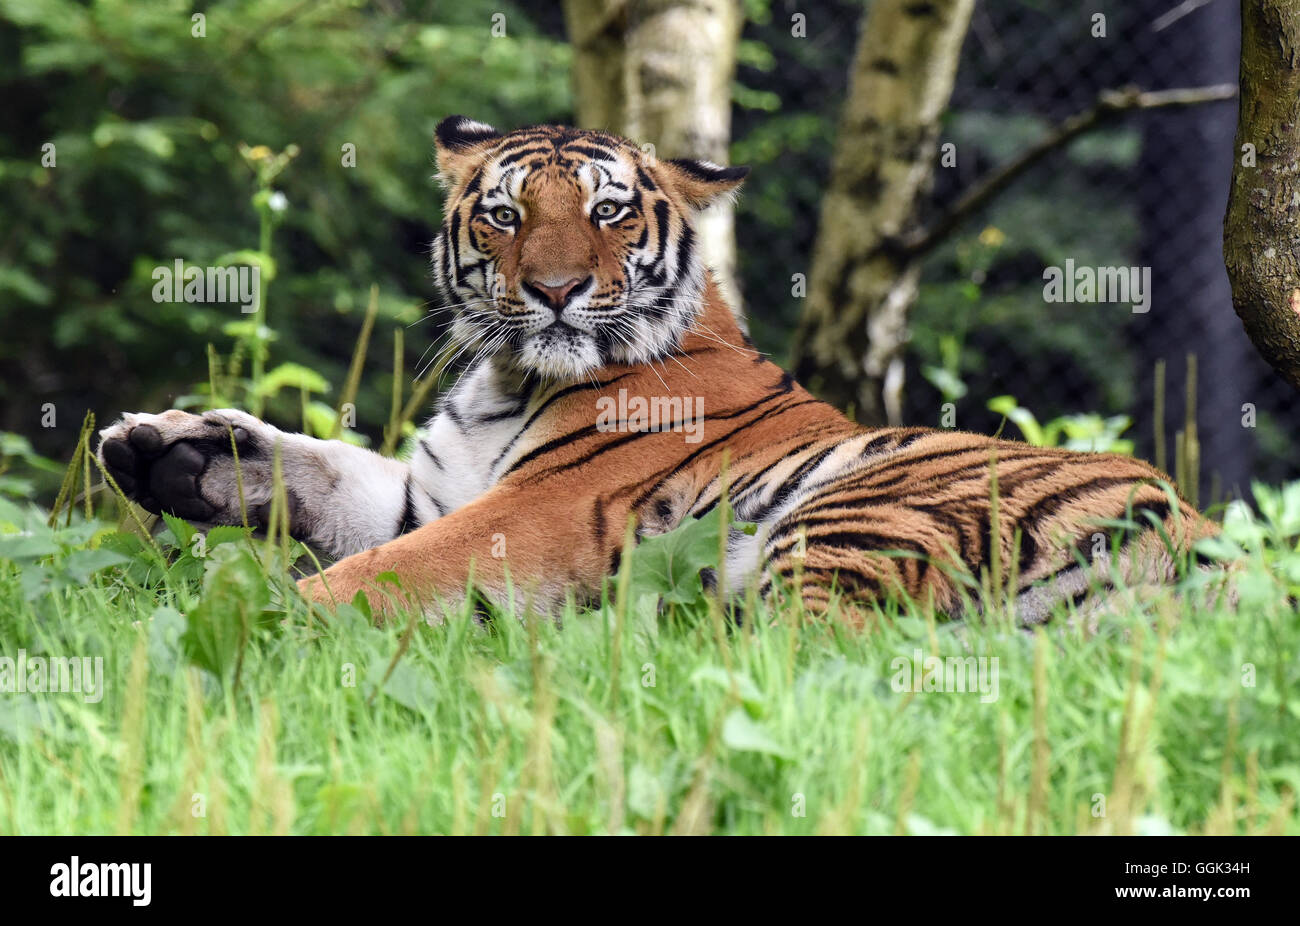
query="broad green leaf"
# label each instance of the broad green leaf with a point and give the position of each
(166, 628)
(669, 565)
(226, 533)
(80, 565)
(741, 733)
(408, 686)
(235, 593)
(28, 545)
(745, 687)
(180, 529)
(291, 376)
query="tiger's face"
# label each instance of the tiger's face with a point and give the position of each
(564, 250)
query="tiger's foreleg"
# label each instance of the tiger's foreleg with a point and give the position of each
(342, 499)
(529, 547)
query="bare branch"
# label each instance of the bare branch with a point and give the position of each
(1109, 103)
(1186, 8)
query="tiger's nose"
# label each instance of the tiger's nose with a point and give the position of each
(557, 297)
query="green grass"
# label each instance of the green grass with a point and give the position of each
(227, 708)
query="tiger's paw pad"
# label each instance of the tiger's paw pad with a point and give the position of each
(183, 464)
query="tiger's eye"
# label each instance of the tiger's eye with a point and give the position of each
(606, 209)
(504, 214)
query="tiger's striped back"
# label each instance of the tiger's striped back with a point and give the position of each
(572, 273)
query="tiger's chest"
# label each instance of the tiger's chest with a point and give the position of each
(465, 447)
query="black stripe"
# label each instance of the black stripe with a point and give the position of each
(791, 484)
(547, 403)
(520, 154)
(691, 458)
(874, 445)
(450, 409)
(1046, 507)
(589, 430)
(645, 180)
(685, 250)
(743, 485)
(851, 540)
(407, 521)
(912, 438)
(661, 217)
(513, 412)
(433, 457)
(474, 183)
(592, 151)
(453, 245)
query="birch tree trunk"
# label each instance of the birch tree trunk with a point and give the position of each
(659, 72)
(1261, 234)
(848, 348)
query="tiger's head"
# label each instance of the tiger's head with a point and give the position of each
(564, 250)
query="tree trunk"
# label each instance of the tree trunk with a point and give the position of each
(848, 348)
(1181, 195)
(659, 72)
(1261, 234)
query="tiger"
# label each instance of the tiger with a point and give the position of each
(609, 382)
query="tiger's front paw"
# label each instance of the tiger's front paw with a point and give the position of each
(183, 464)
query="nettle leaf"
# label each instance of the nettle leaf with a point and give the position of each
(947, 382)
(38, 582)
(748, 692)
(668, 565)
(140, 564)
(291, 376)
(644, 792)
(1023, 418)
(1279, 507)
(235, 593)
(28, 545)
(166, 629)
(12, 515)
(918, 825)
(180, 529)
(407, 685)
(1241, 526)
(80, 565)
(226, 533)
(320, 422)
(649, 790)
(1220, 548)
(16, 487)
(128, 544)
(741, 733)
(72, 569)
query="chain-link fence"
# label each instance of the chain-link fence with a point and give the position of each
(1146, 191)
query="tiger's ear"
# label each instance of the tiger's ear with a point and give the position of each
(704, 183)
(458, 141)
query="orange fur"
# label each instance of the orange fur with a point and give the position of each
(563, 513)
(562, 507)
